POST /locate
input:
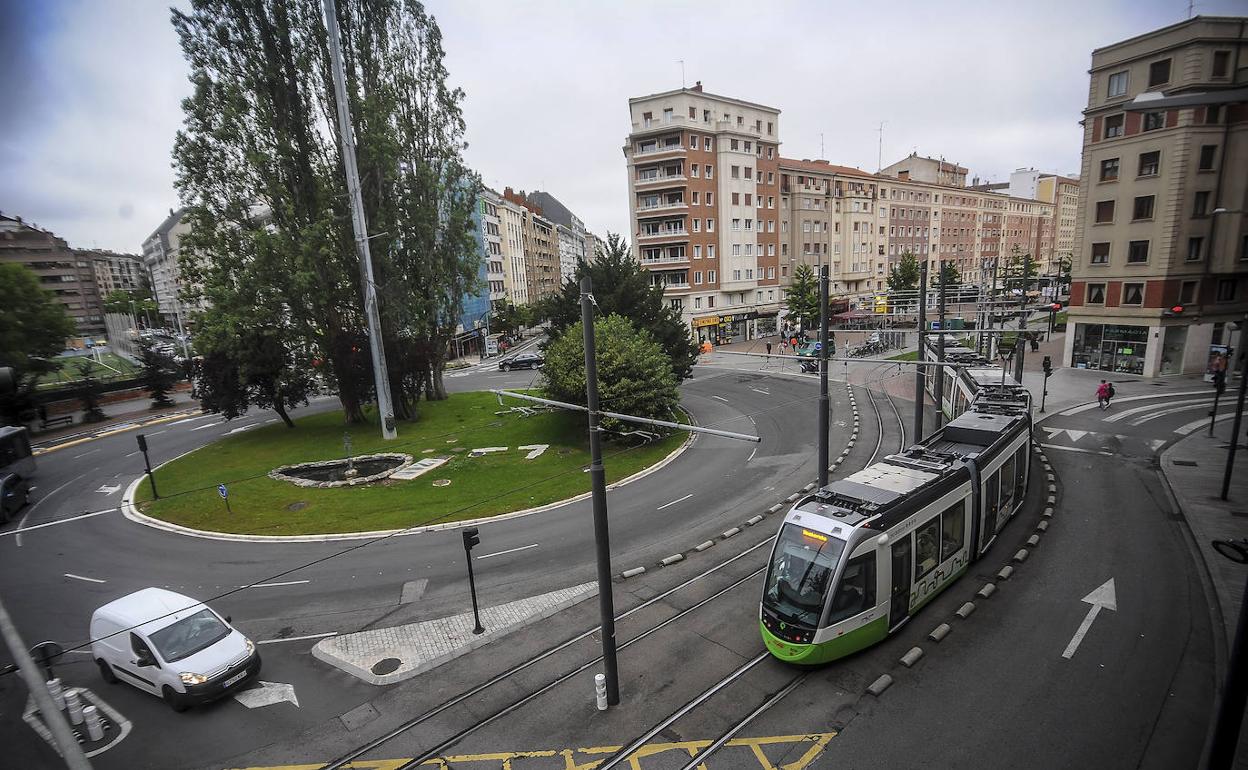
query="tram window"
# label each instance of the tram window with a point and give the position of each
(953, 529)
(856, 591)
(1020, 477)
(991, 505)
(1007, 482)
(926, 548)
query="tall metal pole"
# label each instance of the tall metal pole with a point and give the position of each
(1239, 412)
(920, 371)
(939, 388)
(598, 483)
(1234, 696)
(385, 407)
(62, 736)
(824, 407)
(1020, 344)
(992, 309)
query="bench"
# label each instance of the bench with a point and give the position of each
(67, 419)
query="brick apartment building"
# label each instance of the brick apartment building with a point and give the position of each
(68, 275)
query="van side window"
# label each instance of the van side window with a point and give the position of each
(139, 647)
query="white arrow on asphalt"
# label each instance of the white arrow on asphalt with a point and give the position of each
(1101, 597)
(107, 490)
(267, 694)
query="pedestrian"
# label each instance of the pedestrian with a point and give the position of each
(769, 348)
(1109, 393)
(1035, 342)
(1102, 395)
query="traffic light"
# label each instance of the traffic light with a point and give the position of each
(1219, 382)
(1173, 311)
(1047, 364)
(1055, 307)
(471, 538)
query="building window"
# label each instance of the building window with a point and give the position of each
(1207, 154)
(710, 223)
(710, 277)
(1150, 163)
(1143, 207)
(706, 144)
(1187, 292)
(733, 144)
(697, 277)
(697, 225)
(1117, 84)
(735, 172)
(749, 172)
(1133, 294)
(1137, 252)
(693, 139)
(697, 303)
(1100, 253)
(1109, 170)
(1159, 73)
(710, 174)
(1200, 206)
(1096, 294)
(710, 250)
(736, 223)
(710, 198)
(1154, 121)
(1226, 290)
(1213, 114)
(1104, 212)
(697, 251)
(677, 303)
(1194, 246)
(1113, 126)
(695, 197)
(1221, 64)
(736, 199)
(693, 167)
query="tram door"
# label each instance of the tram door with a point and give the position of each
(903, 571)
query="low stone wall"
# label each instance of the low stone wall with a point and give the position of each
(280, 474)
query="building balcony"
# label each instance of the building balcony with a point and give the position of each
(662, 208)
(670, 149)
(680, 234)
(660, 181)
(673, 287)
(665, 261)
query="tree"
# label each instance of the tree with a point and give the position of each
(949, 274)
(158, 372)
(129, 302)
(633, 372)
(622, 287)
(33, 327)
(802, 301)
(905, 276)
(1013, 270)
(89, 392)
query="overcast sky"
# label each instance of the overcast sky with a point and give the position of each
(91, 89)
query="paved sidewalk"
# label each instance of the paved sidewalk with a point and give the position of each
(389, 655)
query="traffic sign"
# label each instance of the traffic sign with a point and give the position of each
(818, 346)
(221, 490)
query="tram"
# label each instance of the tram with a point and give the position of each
(961, 384)
(856, 559)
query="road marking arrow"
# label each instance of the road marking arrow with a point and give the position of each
(1101, 597)
(267, 694)
(536, 450)
(107, 490)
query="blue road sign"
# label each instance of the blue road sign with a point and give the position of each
(221, 490)
(818, 346)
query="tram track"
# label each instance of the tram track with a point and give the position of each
(879, 413)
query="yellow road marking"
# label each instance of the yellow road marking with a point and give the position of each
(103, 434)
(571, 761)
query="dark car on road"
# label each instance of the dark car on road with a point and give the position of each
(521, 361)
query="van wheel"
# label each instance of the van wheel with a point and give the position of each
(174, 699)
(106, 672)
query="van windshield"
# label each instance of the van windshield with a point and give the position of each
(189, 635)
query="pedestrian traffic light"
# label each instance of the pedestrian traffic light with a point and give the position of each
(471, 538)
(142, 442)
(1047, 364)
(1055, 307)
(1175, 310)
(1219, 382)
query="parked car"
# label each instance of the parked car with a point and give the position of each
(521, 361)
(14, 491)
(171, 646)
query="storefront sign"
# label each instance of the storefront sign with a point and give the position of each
(711, 320)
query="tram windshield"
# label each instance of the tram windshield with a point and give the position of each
(801, 570)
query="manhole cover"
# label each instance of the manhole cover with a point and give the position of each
(298, 505)
(442, 483)
(386, 666)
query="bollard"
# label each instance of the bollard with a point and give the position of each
(95, 730)
(58, 694)
(74, 706)
(600, 689)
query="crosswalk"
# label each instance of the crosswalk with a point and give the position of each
(1135, 425)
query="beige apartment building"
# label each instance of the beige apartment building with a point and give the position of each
(1160, 277)
(704, 204)
(511, 217)
(69, 276)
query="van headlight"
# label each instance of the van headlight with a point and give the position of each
(251, 646)
(189, 678)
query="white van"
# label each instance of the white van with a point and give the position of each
(172, 646)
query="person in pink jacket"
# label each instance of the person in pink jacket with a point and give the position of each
(1103, 394)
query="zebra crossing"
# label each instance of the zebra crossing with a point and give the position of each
(1133, 425)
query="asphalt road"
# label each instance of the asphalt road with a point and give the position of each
(998, 692)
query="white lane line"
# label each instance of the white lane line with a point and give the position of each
(298, 638)
(242, 428)
(756, 390)
(1115, 417)
(18, 532)
(721, 398)
(192, 419)
(208, 425)
(275, 419)
(157, 433)
(278, 585)
(681, 500)
(1195, 425)
(84, 454)
(1167, 412)
(1077, 449)
(132, 454)
(22, 524)
(80, 577)
(1094, 405)
(509, 550)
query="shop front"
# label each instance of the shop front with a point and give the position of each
(733, 327)
(1118, 348)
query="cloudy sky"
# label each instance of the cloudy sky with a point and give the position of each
(91, 90)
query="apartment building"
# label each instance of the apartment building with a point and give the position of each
(113, 271)
(491, 232)
(1160, 275)
(937, 171)
(574, 243)
(1060, 191)
(69, 276)
(512, 223)
(704, 198)
(161, 253)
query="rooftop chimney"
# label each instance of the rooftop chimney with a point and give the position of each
(697, 87)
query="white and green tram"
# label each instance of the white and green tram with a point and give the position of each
(855, 560)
